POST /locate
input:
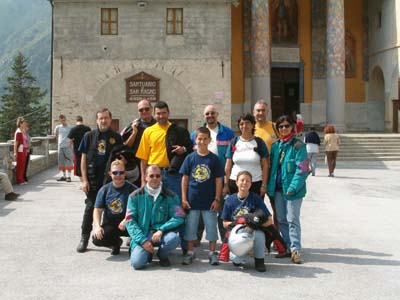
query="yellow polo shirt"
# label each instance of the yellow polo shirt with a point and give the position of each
(267, 133)
(152, 146)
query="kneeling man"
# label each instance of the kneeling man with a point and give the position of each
(111, 202)
(153, 217)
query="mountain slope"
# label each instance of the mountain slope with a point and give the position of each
(25, 27)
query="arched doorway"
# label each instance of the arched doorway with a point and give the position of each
(376, 101)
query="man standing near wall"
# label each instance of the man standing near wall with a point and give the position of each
(95, 148)
(264, 129)
(164, 144)
(132, 134)
(75, 135)
(65, 155)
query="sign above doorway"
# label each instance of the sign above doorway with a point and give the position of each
(142, 86)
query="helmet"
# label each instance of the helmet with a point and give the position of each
(241, 240)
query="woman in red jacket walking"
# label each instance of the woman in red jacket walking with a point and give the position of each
(20, 149)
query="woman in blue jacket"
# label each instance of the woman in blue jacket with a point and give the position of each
(287, 184)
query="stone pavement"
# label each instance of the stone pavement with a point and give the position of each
(350, 239)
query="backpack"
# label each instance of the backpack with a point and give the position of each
(257, 149)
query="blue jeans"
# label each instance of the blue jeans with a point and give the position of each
(172, 182)
(288, 214)
(258, 248)
(210, 219)
(140, 257)
(313, 161)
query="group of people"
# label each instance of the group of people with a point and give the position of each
(331, 143)
(186, 183)
(161, 186)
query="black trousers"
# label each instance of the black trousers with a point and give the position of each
(111, 235)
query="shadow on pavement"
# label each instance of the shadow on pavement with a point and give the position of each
(352, 256)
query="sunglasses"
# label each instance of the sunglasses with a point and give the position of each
(210, 113)
(284, 126)
(118, 173)
(144, 109)
(155, 175)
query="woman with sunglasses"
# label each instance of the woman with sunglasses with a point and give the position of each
(287, 184)
(246, 153)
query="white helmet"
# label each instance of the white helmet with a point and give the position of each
(241, 240)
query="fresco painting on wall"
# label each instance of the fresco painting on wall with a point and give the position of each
(350, 55)
(284, 15)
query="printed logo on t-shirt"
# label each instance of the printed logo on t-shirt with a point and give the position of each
(101, 147)
(116, 206)
(242, 210)
(201, 173)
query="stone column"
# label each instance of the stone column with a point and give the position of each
(260, 52)
(335, 73)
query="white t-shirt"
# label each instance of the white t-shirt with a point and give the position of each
(246, 159)
(212, 146)
(312, 148)
(62, 132)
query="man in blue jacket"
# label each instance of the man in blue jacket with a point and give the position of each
(153, 217)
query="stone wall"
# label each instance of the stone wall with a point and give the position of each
(90, 69)
(44, 156)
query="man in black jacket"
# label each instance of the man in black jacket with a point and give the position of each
(95, 148)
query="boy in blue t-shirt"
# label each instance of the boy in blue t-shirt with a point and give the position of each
(201, 190)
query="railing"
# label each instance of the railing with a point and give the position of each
(44, 155)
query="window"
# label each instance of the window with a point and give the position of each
(109, 21)
(174, 21)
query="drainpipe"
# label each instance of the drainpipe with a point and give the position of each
(51, 65)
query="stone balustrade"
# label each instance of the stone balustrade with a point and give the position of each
(44, 156)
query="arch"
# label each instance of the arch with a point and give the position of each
(112, 94)
(376, 100)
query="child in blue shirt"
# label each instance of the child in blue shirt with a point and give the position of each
(201, 190)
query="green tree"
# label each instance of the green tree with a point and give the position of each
(22, 98)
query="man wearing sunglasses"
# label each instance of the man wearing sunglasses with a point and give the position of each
(153, 216)
(110, 205)
(132, 134)
(221, 136)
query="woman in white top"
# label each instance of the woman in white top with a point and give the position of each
(331, 142)
(247, 153)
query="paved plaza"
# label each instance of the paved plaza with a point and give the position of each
(351, 248)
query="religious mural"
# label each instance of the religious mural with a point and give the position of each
(350, 55)
(284, 21)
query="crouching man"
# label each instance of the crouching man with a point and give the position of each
(111, 202)
(153, 217)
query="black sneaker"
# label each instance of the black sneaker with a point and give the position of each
(68, 179)
(11, 196)
(116, 248)
(62, 178)
(259, 265)
(82, 246)
(165, 262)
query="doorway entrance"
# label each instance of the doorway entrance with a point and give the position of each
(285, 92)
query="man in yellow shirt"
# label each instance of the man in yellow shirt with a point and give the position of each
(264, 129)
(164, 144)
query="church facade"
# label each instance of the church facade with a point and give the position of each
(332, 61)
